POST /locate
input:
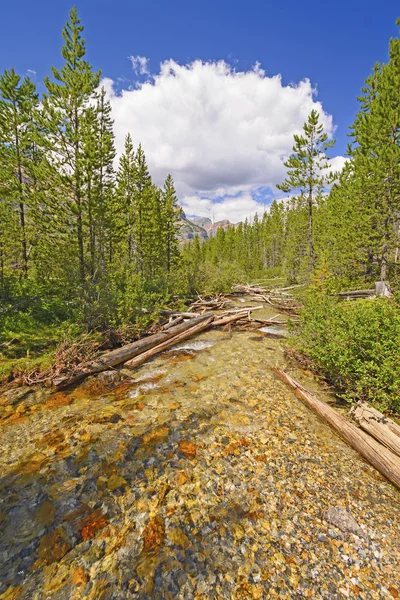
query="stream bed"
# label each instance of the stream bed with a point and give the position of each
(203, 477)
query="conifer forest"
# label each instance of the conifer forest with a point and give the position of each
(149, 367)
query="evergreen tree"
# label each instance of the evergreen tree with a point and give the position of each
(171, 212)
(18, 105)
(65, 107)
(306, 170)
(142, 205)
(126, 177)
(376, 158)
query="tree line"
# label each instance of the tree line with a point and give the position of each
(73, 226)
(344, 227)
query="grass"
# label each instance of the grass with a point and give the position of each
(27, 344)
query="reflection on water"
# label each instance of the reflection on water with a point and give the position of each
(275, 330)
(144, 387)
(203, 478)
(195, 345)
(150, 374)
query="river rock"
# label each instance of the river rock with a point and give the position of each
(344, 521)
(110, 376)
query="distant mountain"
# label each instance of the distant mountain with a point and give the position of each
(209, 226)
(189, 229)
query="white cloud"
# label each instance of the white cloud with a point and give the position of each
(337, 163)
(219, 132)
(140, 64)
(235, 208)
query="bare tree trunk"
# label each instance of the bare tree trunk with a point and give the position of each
(91, 228)
(384, 262)
(310, 230)
(21, 209)
(81, 251)
(2, 267)
(23, 239)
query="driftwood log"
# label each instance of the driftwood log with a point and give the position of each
(173, 323)
(174, 313)
(121, 355)
(386, 431)
(385, 461)
(141, 358)
(230, 319)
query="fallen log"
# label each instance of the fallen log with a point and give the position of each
(385, 461)
(386, 431)
(141, 358)
(246, 289)
(242, 309)
(230, 319)
(356, 293)
(173, 323)
(174, 313)
(120, 355)
(268, 323)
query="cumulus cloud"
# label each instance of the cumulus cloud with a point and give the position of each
(222, 134)
(337, 163)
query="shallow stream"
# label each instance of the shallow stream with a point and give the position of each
(202, 477)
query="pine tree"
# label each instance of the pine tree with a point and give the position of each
(142, 199)
(170, 215)
(105, 179)
(125, 195)
(18, 105)
(307, 170)
(65, 106)
(376, 158)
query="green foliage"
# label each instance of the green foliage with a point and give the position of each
(356, 346)
(306, 175)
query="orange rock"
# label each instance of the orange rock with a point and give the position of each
(16, 419)
(80, 577)
(188, 449)
(58, 399)
(157, 436)
(260, 458)
(232, 448)
(92, 524)
(35, 462)
(53, 438)
(53, 546)
(393, 592)
(140, 406)
(182, 478)
(154, 534)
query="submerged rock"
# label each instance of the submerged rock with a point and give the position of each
(344, 521)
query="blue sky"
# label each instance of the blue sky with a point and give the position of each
(333, 44)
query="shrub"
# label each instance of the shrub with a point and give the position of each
(356, 346)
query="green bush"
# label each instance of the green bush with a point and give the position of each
(356, 346)
(219, 278)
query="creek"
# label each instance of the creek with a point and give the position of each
(201, 477)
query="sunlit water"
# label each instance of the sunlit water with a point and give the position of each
(201, 477)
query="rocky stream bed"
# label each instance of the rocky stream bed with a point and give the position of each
(203, 477)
